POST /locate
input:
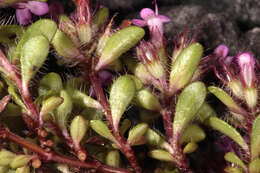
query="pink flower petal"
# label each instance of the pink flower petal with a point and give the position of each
(221, 51)
(139, 22)
(38, 8)
(146, 13)
(164, 18)
(23, 16)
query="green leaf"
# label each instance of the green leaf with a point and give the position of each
(233, 158)
(161, 155)
(230, 169)
(51, 81)
(205, 112)
(254, 166)
(255, 138)
(6, 157)
(17, 99)
(64, 46)
(147, 100)
(184, 66)
(100, 18)
(64, 110)
(78, 128)
(20, 161)
(121, 94)
(101, 128)
(126, 124)
(190, 148)
(226, 129)
(4, 169)
(226, 99)
(136, 133)
(84, 100)
(154, 139)
(45, 27)
(113, 158)
(119, 43)
(25, 169)
(188, 104)
(33, 54)
(50, 104)
(192, 133)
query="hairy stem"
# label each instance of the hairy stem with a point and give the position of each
(54, 157)
(124, 147)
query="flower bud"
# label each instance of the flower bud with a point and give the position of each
(136, 133)
(119, 43)
(184, 66)
(221, 51)
(190, 148)
(6, 157)
(67, 26)
(78, 128)
(236, 88)
(247, 63)
(147, 100)
(20, 161)
(113, 158)
(147, 53)
(121, 94)
(84, 33)
(251, 96)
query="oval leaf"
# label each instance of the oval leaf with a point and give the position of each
(136, 133)
(227, 129)
(233, 158)
(147, 100)
(50, 104)
(188, 104)
(254, 166)
(121, 95)
(226, 99)
(161, 155)
(190, 148)
(64, 46)
(184, 66)
(192, 133)
(51, 81)
(20, 161)
(6, 157)
(64, 110)
(255, 138)
(33, 55)
(101, 128)
(45, 27)
(119, 43)
(78, 128)
(113, 158)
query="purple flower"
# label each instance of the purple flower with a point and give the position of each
(24, 10)
(221, 51)
(247, 63)
(154, 21)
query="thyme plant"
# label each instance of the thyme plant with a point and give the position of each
(100, 119)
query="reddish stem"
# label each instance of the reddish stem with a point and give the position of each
(167, 123)
(4, 101)
(124, 147)
(52, 156)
